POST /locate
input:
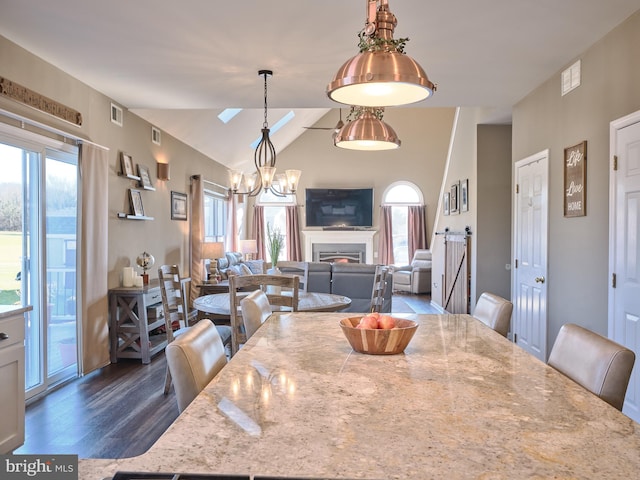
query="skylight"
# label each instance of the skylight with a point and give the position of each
(277, 126)
(228, 114)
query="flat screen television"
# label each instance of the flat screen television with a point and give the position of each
(339, 207)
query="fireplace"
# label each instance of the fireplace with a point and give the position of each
(353, 246)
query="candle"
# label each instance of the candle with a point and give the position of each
(127, 277)
(138, 281)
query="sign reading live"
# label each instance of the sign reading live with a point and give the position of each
(39, 467)
(575, 180)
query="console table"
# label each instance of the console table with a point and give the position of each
(129, 324)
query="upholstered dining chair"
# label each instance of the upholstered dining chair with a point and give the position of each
(600, 365)
(241, 285)
(177, 316)
(194, 358)
(495, 312)
(300, 269)
(255, 311)
(379, 286)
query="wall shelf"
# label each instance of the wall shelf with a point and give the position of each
(127, 216)
(131, 177)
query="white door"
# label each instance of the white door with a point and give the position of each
(624, 255)
(530, 254)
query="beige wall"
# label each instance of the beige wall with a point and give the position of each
(424, 133)
(578, 276)
(165, 239)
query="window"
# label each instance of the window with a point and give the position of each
(215, 216)
(400, 195)
(276, 217)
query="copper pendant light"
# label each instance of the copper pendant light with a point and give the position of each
(382, 74)
(367, 132)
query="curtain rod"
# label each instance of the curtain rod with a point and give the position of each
(223, 187)
(42, 126)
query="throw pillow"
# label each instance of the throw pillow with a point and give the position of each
(256, 266)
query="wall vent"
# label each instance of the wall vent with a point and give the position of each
(571, 78)
(155, 136)
(116, 114)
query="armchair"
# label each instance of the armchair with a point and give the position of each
(416, 277)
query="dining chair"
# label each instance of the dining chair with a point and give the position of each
(600, 365)
(300, 269)
(255, 311)
(379, 286)
(495, 312)
(194, 358)
(241, 285)
(177, 316)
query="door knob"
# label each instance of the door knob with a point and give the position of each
(539, 279)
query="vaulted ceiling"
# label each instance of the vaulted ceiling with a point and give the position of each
(178, 65)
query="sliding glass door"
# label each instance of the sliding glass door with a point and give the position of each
(38, 217)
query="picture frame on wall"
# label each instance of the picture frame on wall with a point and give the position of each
(575, 180)
(464, 195)
(445, 204)
(135, 198)
(126, 165)
(454, 206)
(178, 206)
(145, 177)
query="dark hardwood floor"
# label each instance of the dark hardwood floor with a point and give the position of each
(120, 410)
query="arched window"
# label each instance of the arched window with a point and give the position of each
(399, 196)
(276, 216)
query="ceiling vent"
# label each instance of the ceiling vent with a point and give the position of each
(571, 78)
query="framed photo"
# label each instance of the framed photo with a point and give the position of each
(464, 195)
(454, 207)
(178, 206)
(126, 165)
(575, 180)
(145, 177)
(445, 204)
(136, 202)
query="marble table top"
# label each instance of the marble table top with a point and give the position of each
(218, 303)
(461, 402)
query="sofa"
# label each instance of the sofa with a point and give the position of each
(416, 277)
(233, 263)
(353, 280)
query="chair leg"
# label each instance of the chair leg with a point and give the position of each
(167, 381)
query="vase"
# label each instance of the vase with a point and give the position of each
(271, 288)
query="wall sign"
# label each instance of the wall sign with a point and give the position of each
(575, 180)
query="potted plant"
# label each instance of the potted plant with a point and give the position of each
(275, 241)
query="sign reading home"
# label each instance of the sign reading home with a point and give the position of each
(575, 180)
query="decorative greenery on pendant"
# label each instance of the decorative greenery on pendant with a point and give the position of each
(357, 111)
(376, 44)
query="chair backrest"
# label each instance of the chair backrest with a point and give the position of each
(255, 311)
(495, 312)
(598, 364)
(421, 255)
(299, 269)
(379, 286)
(194, 358)
(174, 303)
(239, 285)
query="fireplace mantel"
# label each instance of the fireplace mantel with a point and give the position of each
(338, 236)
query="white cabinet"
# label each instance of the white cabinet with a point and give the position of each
(12, 378)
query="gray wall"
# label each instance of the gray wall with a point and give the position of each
(578, 247)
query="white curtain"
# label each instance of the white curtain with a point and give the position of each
(93, 166)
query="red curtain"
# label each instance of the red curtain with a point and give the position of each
(197, 233)
(385, 242)
(417, 229)
(259, 231)
(294, 249)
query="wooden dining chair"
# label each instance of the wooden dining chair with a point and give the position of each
(193, 359)
(598, 364)
(300, 269)
(241, 285)
(255, 311)
(495, 312)
(177, 316)
(379, 287)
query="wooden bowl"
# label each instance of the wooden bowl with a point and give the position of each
(376, 341)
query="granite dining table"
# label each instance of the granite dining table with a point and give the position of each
(460, 402)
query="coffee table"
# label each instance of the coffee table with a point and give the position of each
(217, 305)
